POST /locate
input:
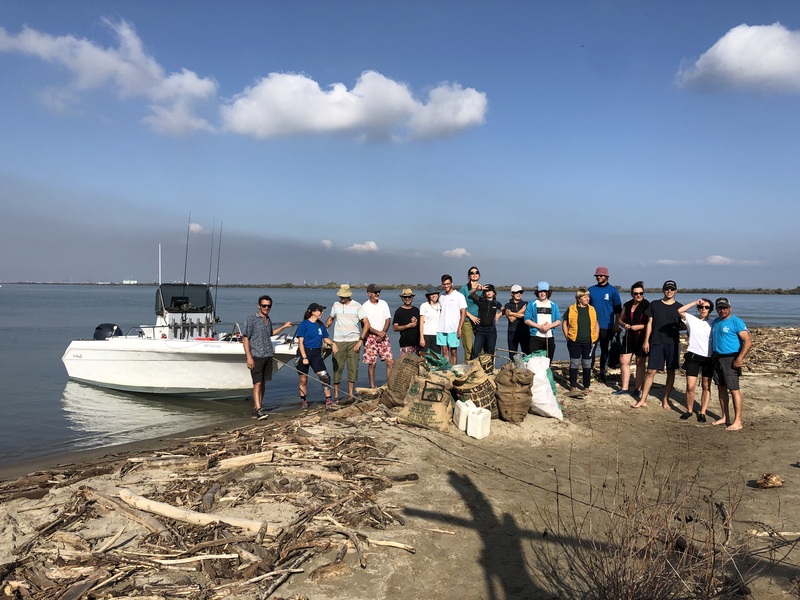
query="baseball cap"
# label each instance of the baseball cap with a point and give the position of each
(314, 306)
(542, 286)
(516, 288)
(488, 287)
(373, 287)
(722, 303)
(669, 283)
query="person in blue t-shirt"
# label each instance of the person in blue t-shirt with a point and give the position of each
(608, 306)
(730, 343)
(311, 336)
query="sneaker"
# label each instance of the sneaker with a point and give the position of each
(304, 404)
(686, 415)
(262, 414)
(701, 418)
(256, 413)
(620, 393)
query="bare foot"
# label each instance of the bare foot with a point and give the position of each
(719, 422)
(734, 427)
(639, 405)
(665, 405)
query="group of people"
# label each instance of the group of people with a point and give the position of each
(451, 318)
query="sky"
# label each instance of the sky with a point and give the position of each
(360, 141)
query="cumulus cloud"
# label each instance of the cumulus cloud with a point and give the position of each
(327, 244)
(196, 228)
(456, 253)
(127, 70)
(759, 57)
(376, 108)
(365, 247)
(710, 261)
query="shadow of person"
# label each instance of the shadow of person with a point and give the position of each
(505, 567)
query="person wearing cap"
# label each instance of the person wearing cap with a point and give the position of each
(406, 322)
(429, 313)
(347, 335)
(256, 339)
(471, 320)
(517, 335)
(542, 316)
(489, 311)
(311, 336)
(697, 360)
(608, 304)
(730, 343)
(376, 318)
(661, 342)
(454, 310)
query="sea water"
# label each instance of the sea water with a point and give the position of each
(45, 414)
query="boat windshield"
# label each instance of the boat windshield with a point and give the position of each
(183, 298)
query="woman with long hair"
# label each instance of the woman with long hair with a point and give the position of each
(697, 360)
(633, 320)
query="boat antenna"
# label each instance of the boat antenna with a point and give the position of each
(186, 256)
(159, 265)
(216, 285)
(211, 256)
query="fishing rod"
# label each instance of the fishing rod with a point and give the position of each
(216, 285)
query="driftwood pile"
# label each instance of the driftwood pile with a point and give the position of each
(216, 516)
(775, 350)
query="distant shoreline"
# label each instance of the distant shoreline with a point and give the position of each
(419, 286)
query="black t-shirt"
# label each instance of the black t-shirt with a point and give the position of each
(403, 316)
(667, 321)
(515, 307)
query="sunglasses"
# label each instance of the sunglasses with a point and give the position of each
(598, 276)
(376, 293)
(638, 293)
(702, 307)
(516, 292)
(670, 289)
(265, 305)
(474, 273)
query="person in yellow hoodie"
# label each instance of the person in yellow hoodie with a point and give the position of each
(582, 332)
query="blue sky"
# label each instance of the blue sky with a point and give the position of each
(394, 142)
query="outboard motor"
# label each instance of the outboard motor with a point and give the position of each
(106, 330)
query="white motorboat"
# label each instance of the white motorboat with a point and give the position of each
(182, 354)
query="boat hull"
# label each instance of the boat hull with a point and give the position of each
(197, 368)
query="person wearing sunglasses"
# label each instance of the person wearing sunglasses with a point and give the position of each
(633, 322)
(730, 342)
(258, 350)
(518, 335)
(661, 342)
(472, 320)
(697, 360)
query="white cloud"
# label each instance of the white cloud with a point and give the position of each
(456, 253)
(196, 228)
(127, 70)
(327, 244)
(377, 108)
(759, 57)
(710, 261)
(365, 247)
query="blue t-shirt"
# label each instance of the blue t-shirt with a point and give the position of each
(312, 333)
(606, 302)
(725, 335)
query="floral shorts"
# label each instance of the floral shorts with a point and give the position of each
(377, 348)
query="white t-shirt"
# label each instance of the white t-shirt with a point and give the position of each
(451, 304)
(346, 322)
(376, 314)
(699, 334)
(431, 313)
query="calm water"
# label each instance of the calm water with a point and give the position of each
(44, 414)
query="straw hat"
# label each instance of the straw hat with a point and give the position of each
(344, 291)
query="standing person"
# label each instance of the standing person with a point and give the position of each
(376, 318)
(730, 342)
(471, 321)
(542, 316)
(489, 311)
(634, 321)
(454, 310)
(406, 321)
(518, 335)
(347, 334)
(258, 350)
(582, 332)
(607, 303)
(661, 342)
(697, 360)
(311, 336)
(429, 313)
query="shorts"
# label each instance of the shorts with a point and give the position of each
(377, 348)
(409, 350)
(695, 364)
(632, 344)
(725, 375)
(663, 355)
(448, 340)
(262, 369)
(315, 361)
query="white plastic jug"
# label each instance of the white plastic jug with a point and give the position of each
(461, 412)
(478, 423)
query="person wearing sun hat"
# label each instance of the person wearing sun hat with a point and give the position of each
(406, 322)
(345, 317)
(661, 342)
(608, 305)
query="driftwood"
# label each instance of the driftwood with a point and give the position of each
(236, 462)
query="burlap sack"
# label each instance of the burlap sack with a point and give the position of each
(486, 361)
(477, 386)
(405, 370)
(427, 403)
(513, 393)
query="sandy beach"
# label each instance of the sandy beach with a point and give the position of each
(351, 504)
